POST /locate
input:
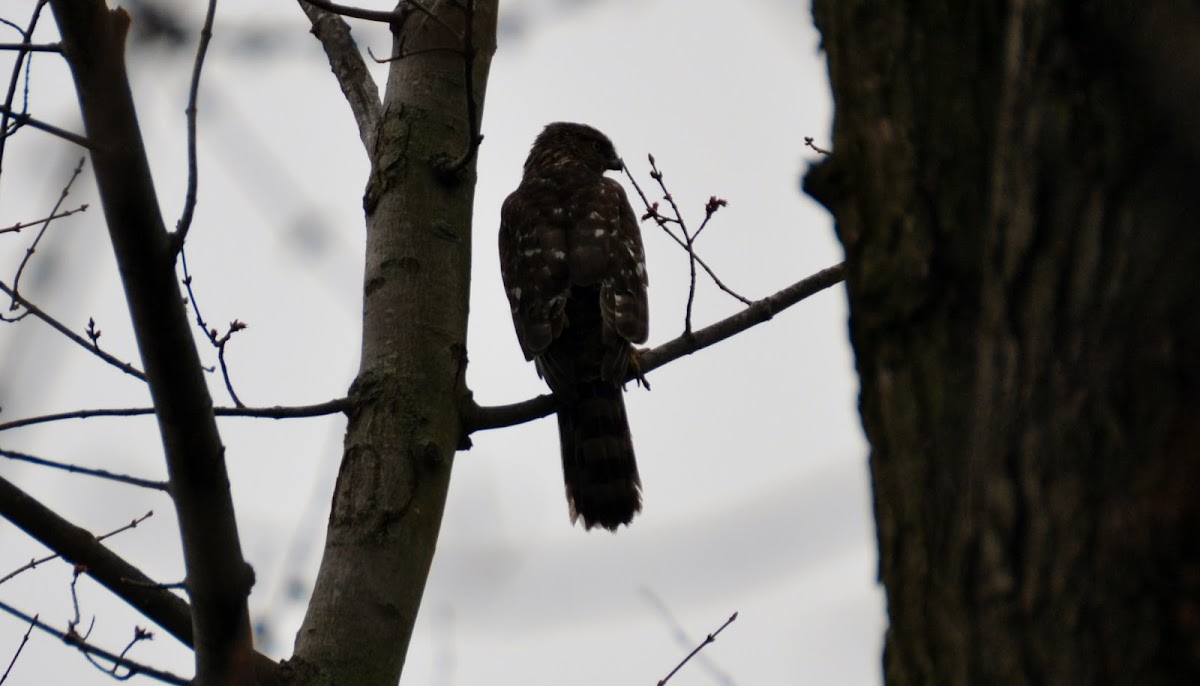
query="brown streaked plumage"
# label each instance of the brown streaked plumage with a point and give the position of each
(575, 273)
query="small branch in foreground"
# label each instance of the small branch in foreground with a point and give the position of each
(16, 228)
(478, 418)
(189, 202)
(384, 16)
(20, 119)
(23, 61)
(707, 639)
(32, 564)
(16, 655)
(335, 406)
(62, 196)
(808, 140)
(32, 47)
(651, 211)
(217, 341)
(88, 649)
(58, 326)
(87, 471)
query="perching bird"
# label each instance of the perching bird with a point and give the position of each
(575, 273)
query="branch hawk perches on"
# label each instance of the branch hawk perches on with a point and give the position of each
(575, 272)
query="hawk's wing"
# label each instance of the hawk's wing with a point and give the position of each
(623, 301)
(533, 265)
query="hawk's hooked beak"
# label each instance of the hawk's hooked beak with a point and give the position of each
(616, 164)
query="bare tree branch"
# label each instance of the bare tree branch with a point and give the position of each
(16, 228)
(36, 311)
(193, 182)
(32, 47)
(707, 639)
(350, 69)
(19, 63)
(335, 406)
(32, 564)
(62, 196)
(477, 418)
(21, 119)
(79, 546)
(17, 654)
(87, 471)
(73, 639)
(662, 221)
(218, 578)
(384, 16)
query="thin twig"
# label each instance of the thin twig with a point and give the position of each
(58, 326)
(478, 418)
(384, 16)
(217, 341)
(133, 524)
(189, 202)
(62, 196)
(652, 212)
(21, 119)
(87, 648)
(684, 641)
(139, 635)
(707, 639)
(87, 471)
(808, 140)
(32, 47)
(24, 640)
(21, 61)
(16, 228)
(338, 405)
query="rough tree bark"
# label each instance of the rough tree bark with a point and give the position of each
(1015, 187)
(405, 425)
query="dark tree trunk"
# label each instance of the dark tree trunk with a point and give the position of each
(1017, 187)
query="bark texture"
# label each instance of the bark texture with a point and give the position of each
(1015, 185)
(405, 425)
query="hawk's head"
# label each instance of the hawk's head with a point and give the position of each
(566, 143)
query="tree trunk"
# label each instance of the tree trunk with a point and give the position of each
(405, 426)
(1015, 185)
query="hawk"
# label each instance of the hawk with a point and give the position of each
(574, 270)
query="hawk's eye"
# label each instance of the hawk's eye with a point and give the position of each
(596, 146)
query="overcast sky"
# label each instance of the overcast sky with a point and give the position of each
(751, 453)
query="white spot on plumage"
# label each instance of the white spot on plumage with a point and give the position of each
(595, 216)
(558, 254)
(599, 233)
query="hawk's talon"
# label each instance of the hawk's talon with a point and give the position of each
(636, 368)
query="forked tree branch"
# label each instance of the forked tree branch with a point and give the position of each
(71, 638)
(58, 326)
(478, 418)
(78, 545)
(350, 68)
